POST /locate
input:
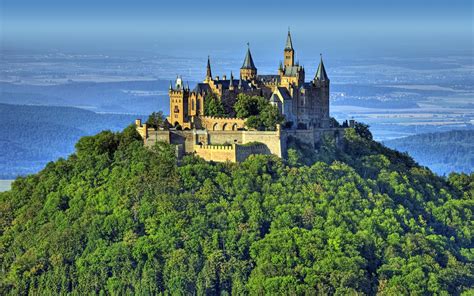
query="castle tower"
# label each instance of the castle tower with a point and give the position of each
(289, 52)
(208, 71)
(248, 71)
(321, 82)
(321, 75)
(178, 103)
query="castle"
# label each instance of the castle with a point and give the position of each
(305, 106)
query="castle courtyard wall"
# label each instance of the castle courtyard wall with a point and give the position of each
(210, 144)
(216, 153)
(272, 139)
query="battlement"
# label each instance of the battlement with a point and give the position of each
(215, 147)
(220, 118)
(232, 153)
(223, 145)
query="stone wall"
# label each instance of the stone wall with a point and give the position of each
(221, 123)
(208, 144)
(222, 137)
(272, 139)
(305, 136)
(141, 128)
(157, 136)
(243, 152)
(216, 153)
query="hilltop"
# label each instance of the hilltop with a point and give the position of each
(118, 218)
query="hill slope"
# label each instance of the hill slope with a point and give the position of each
(443, 153)
(117, 218)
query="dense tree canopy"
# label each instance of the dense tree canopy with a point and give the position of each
(157, 120)
(117, 218)
(213, 106)
(260, 114)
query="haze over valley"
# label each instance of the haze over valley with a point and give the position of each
(396, 96)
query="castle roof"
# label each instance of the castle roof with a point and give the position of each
(269, 78)
(208, 68)
(321, 74)
(292, 70)
(202, 87)
(274, 98)
(283, 93)
(248, 61)
(289, 44)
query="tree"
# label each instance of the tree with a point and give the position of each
(260, 114)
(213, 106)
(246, 105)
(156, 120)
(362, 130)
(121, 218)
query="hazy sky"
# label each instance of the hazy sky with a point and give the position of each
(380, 27)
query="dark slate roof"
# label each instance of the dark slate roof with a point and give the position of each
(208, 68)
(248, 62)
(292, 70)
(274, 98)
(202, 87)
(321, 72)
(285, 95)
(244, 84)
(289, 44)
(268, 78)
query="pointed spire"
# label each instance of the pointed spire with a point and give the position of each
(289, 44)
(280, 67)
(171, 85)
(321, 74)
(248, 61)
(231, 81)
(208, 72)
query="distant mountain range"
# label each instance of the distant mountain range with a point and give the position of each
(31, 136)
(442, 152)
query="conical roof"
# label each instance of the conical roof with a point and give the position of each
(248, 62)
(208, 72)
(321, 72)
(289, 44)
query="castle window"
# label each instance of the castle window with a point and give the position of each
(176, 109)
(192, 105)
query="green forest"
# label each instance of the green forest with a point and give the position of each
(116, 218)
(442, 152)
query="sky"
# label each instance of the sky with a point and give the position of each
(365, 27)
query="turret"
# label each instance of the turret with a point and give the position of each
(248, 71)
(289, 52)
(208, 70)
(231, 81)
(179, 83)
(321, 75)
